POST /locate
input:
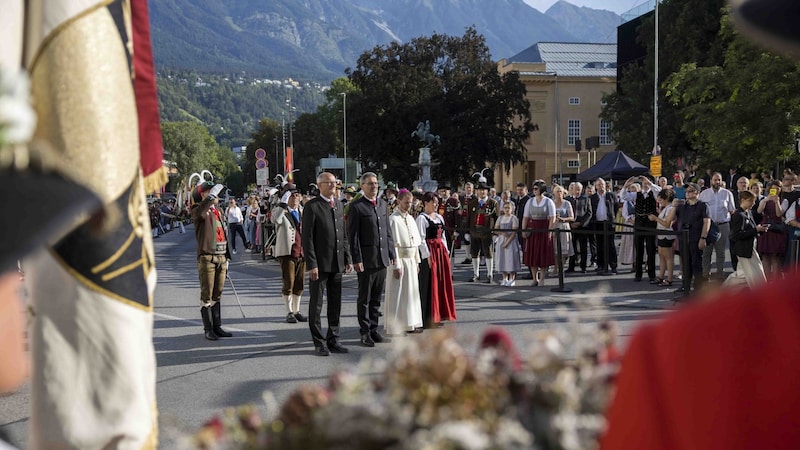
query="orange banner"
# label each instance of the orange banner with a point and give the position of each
(288, 164)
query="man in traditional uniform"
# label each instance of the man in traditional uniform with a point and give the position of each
(464, 199)
(212, 256)
(390, 196)
(287, 217)
(443, 192)
(481, 216)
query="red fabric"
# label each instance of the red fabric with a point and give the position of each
(144, 85)
(722, 375)
(219, 229)
(538, 250)
(443, 299)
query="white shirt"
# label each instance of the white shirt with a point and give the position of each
(720, 204)
(234, 214)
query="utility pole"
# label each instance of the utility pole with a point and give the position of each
(344, 132)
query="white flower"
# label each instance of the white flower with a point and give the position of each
(17, 117)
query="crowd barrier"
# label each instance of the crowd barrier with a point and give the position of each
(606, 232)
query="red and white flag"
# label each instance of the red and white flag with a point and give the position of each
(93, 85)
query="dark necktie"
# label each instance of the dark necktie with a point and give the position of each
(375, 203)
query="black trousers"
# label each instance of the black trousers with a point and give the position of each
(371, 283)
(606, 247)
(425, 291)
(579, 247)
(332, 283)
(692, 264)
(642, 243)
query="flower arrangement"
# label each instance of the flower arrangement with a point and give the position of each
(432, 394)
(17, 118)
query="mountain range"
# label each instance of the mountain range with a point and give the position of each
(315, 40)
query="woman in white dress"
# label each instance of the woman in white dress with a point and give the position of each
(564, 216)
(628, 212)
(508, 248)
(403, 309)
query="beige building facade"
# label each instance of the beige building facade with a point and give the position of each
(565, 84)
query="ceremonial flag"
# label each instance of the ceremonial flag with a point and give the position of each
(93, 378)
(289, 164)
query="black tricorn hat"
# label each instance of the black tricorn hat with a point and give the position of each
(44, 208)
(482, 185)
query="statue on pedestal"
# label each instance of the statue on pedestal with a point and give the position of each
(423, 133)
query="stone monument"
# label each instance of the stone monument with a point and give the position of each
(423, 133)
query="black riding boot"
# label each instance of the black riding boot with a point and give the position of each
(217, 315)
(208, 323)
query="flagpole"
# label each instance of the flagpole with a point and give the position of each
(655, 87)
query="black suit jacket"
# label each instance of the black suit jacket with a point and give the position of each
(611, 205)
(324, 238)
(582, 210)
(371, 241)
(743, 231)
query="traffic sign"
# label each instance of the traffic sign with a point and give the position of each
(261, 153)
(262, 177)
(655, 165)
(261, 164)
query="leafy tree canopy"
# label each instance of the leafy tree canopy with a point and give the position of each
(482, 116)
(745, 111)
(190, 148)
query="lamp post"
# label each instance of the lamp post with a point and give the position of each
(344, 132)
(557, 151)
(283, 133)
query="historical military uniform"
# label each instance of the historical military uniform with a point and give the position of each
(481, 217)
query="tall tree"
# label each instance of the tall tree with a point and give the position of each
(481, 116)
(745, 111)
(688, 32)
(189, 147)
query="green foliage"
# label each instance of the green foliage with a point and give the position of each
(688, 33)
(481, 116)
(190, 148)
(229, 105)
(744, 111)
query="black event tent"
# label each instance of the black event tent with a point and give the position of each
(613, 166)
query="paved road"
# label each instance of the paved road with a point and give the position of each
(198, 378)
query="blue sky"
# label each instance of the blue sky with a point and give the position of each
(618, 6)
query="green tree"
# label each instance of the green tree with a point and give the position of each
(688, 33)
(744, 111)
(189, 147)
(482, 116)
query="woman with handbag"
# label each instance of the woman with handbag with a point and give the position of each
(772, 244)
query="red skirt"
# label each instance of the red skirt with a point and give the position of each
(443, 299)
(538, 246)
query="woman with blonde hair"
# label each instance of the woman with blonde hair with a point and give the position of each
(564, 216)
(666, 254)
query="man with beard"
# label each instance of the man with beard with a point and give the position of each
(720, 207)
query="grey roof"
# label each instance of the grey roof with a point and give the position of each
(572, 59)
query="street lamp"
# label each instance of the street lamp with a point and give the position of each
(344, 128)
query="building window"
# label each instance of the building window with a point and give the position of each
(573, 163)
(574, 100)
(573, 131)
(605, 128)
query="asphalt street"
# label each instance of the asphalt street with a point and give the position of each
(197, 378)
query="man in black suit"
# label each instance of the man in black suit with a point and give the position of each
(327, 256)
(605, 212)
(372, 247)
